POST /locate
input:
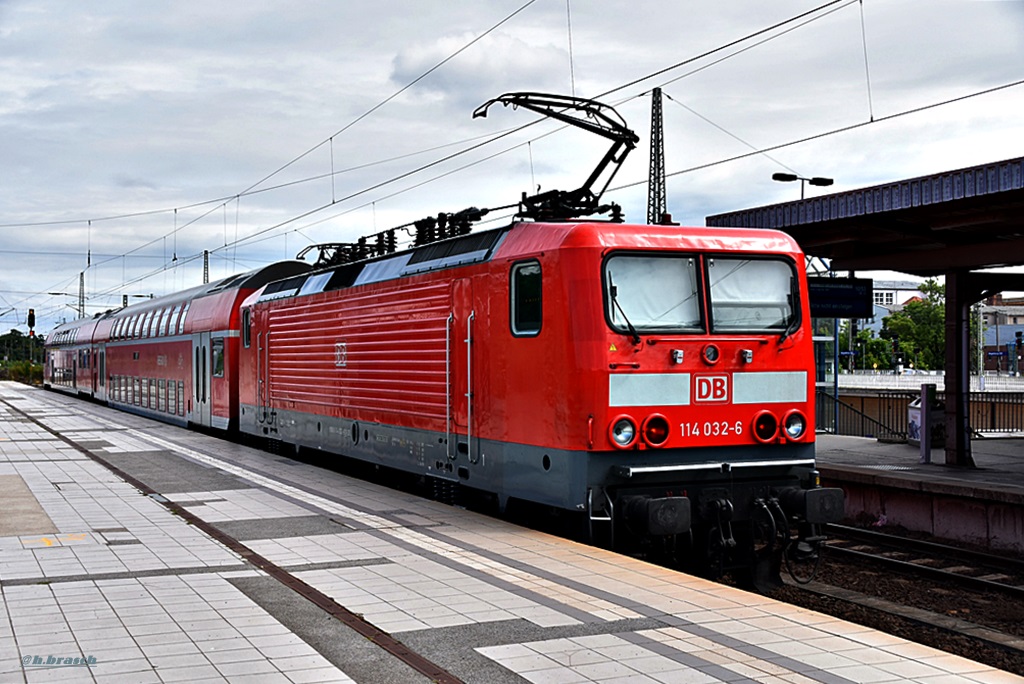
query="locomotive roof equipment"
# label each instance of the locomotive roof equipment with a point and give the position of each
(598, 118)
(553, 205)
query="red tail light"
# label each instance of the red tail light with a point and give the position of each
(765, 427)
(655, 430)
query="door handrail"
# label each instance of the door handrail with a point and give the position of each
(469, 388)
(448, 386)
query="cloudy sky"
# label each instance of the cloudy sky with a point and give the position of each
(135, 135)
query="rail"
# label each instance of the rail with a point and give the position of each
(972, 569)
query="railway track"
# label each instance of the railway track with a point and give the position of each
(958, 566)
(953, 599)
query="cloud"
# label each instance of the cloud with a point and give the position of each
(497, 63)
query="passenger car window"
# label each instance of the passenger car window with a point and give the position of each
(181, 321)
(217, 354)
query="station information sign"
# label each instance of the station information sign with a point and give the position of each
(841, 297)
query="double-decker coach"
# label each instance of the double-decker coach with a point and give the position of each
(72, 365)
(173, 358)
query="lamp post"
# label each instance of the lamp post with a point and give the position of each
(790, 177)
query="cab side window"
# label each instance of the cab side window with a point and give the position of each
(526, 306)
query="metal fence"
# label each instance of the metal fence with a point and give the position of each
(839, 418)
(997, 413)
(990, 413)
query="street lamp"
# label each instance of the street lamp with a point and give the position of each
(790, 177)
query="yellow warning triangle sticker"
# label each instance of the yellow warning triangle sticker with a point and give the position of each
(613, 348)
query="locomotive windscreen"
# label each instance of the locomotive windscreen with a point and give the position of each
(654, 293)
(751, 295)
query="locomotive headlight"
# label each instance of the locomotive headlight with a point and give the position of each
(623, 432)
(795, 425)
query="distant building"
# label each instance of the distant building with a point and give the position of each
(1003, 319)
(888, 296)
(893, 294)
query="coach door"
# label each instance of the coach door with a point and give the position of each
(100, 373)
(201, 373)
(463, 442)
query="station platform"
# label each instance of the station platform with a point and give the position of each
(132, 551)
(999, 461)
(887, 484)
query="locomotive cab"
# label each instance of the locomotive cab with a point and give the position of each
(705, 430)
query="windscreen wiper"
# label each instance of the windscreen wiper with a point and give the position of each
(613, 291)
(794, 324)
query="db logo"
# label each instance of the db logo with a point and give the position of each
(711, 389)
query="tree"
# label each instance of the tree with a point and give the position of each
(17, 346)
(871, 352)
(918, 330)
(17, 353)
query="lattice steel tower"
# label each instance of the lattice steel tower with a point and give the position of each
(656, 207)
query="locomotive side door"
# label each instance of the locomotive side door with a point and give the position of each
(201, 374)
(262, 349)
(463, 442)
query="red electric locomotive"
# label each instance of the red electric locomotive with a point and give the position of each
(654, 378)
(651, 376)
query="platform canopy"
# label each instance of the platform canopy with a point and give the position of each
(967, 219)
(953, 224)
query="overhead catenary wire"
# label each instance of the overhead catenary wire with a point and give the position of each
(867, 71)
(262, 235)
(463, 151)
(801, 18)
(836, 4)
(723, 130)
(692, 169)
(572, 68)
(252, 189)
(834, 131)
(726, 46)
(395, 94)
(747, 48)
